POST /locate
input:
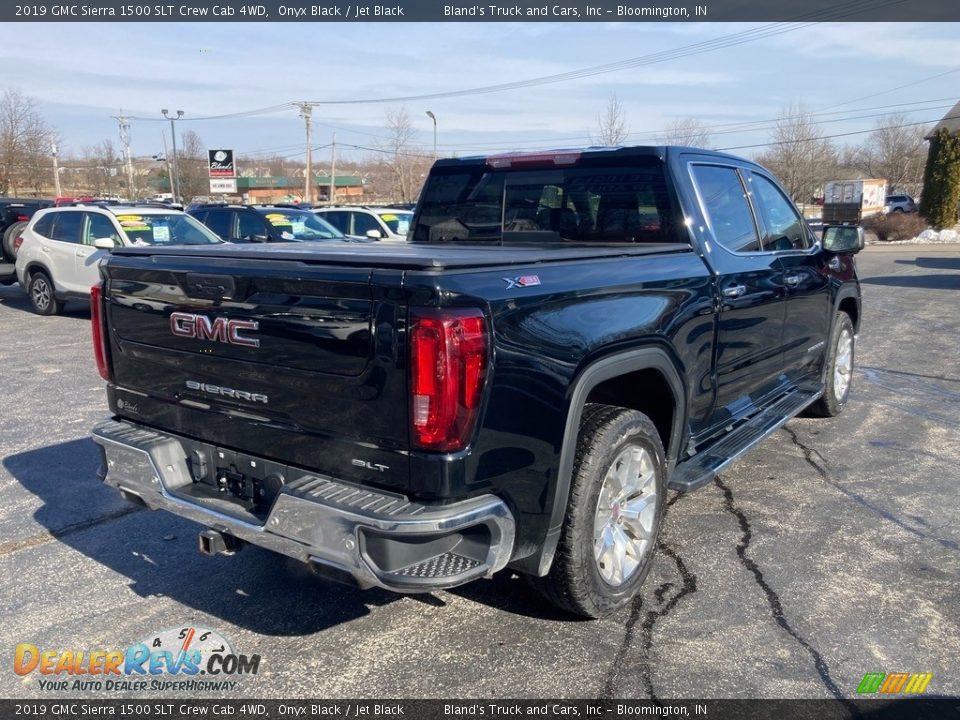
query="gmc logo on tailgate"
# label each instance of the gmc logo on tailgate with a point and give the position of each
(218, 329)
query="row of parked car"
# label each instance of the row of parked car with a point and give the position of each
(55, 253)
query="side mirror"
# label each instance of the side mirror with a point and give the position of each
(843, 239)
(374, 234)
(104, 244)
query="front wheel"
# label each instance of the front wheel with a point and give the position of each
(839, 369)
(42, 298)
(615, 509)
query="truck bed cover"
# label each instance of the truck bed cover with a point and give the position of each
(407, 256)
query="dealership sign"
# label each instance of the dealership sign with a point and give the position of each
(221, 163)
(223, 186)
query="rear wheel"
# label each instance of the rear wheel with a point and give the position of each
(42, 298)
(615, 509)
(9, 235)
(838, 370)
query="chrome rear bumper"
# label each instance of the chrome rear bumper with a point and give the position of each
(379, 539)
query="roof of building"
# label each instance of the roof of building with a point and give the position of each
(950, 122)
(269, 182)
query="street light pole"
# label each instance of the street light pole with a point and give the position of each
(434, 118)
(175, 179)
(306, 112)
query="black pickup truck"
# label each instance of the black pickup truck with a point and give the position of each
(565, 337)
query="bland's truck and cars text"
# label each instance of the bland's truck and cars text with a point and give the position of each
(565, 337)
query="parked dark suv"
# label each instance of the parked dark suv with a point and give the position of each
(263, 223)
(14, 214)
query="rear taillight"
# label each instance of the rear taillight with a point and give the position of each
(99, 325)
(448, 367)
(23, 218)
(17, 242)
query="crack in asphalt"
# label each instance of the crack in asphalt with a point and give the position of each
(773, 600)
(688, 587)
(13, 546)
(808, 454)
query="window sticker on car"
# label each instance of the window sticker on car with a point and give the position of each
(161, 233)
(133, 222)
(298, 227)
(388, 218)
(278, 219)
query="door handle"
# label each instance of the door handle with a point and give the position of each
(792, 280)
(734, 291)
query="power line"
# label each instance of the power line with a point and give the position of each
(226, 116)
(725, 41)
(836, 135)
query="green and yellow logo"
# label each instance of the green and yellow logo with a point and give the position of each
(894, 683)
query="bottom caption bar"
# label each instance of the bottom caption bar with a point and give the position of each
(933, 708)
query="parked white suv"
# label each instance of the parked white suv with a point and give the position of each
(60, 250)
(377, 223)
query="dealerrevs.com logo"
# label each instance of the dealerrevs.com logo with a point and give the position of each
(185, 659)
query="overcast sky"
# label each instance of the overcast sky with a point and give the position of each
(83, 73)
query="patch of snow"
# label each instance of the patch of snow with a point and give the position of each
(928, 237)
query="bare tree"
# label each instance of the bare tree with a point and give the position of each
(404, 164)
(894, 152)
(799, 154)
(686, 131)
(100, 169)
(192, 166)
(612, 123)
(25, 144)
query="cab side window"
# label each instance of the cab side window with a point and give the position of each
(727, 208)
(784, 229)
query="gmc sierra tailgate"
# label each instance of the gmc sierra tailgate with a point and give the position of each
(277, 357)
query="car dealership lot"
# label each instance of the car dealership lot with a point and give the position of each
(830, 551)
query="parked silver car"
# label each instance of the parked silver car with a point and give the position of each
(900, 204)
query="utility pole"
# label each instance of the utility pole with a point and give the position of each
(124, 122)
(56, 172)
(333, 169)
(175, 179)
(306, 112)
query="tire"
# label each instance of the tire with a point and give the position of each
(588, 576)
(898, 210)
(838, 371)
(9, 235)
(40, 291)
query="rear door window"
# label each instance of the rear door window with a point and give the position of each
(725, 204)
(219, 222)
(340, 219)
(67, 227)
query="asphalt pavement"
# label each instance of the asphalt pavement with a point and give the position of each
(830, 551)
